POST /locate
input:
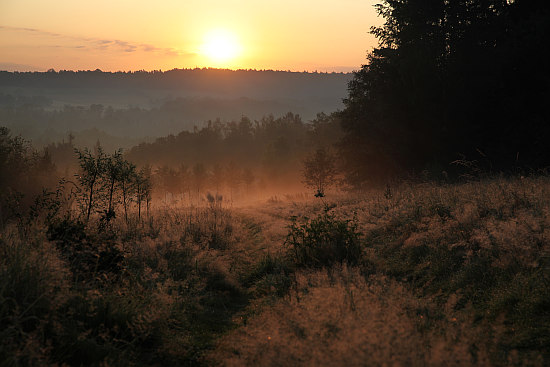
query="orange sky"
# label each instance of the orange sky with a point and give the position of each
(165, 34)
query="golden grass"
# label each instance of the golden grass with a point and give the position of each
(451, 275)
(341, 318)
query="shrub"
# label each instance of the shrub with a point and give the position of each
(32, 282)
(324, 241)
(88, 257)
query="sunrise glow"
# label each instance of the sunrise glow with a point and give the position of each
(221, 47)
(279, 35)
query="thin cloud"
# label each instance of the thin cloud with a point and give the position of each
(115, 45)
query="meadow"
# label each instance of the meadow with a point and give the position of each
(417, 273)
(423, 238)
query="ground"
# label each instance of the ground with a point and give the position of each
(418, 274)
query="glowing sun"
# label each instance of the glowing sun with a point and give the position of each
(220, 46)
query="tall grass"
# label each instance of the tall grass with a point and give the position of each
(429, 275)
(470, 262)
(129, 293)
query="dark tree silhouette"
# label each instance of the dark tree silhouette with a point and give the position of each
(142, 185)
(92, 168)
(24, 174)
(320, 171)
(127, 176)
(450, 79)
(113, 172)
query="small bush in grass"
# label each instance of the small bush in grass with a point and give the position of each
(324, 241)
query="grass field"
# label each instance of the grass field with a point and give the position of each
(416, 274)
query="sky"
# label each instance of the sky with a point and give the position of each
(113, 35)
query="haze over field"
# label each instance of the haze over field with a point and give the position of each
(139, 105)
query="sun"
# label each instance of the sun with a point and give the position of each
(220, 46)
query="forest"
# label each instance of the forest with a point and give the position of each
(156, 103)
(451, 80)
(406, 224)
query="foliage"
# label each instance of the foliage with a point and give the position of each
(236, 152)
(70, 295)
(90, 259)
(143, 187)
(320, 171)
(324, 241)
(24, 175)
(449, 78)
(127, 183)
(462, 269)
(30, 285)
(479, 247)
(92, 169)
(106, 180)
(113, 173)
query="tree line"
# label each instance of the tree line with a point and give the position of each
(272, 82)
(451, 84)
(451, 81)
(271, 148)
(231, 159)
(39, 118)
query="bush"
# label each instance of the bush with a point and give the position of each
(324, 241)
(88, 257)
(32, 281)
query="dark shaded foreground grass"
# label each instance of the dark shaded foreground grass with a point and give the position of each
(418, 275)
(156, 294)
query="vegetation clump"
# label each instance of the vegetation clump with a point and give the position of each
(320, 171)
(324, 241)
(89, 258)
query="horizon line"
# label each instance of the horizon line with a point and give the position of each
(53, 70)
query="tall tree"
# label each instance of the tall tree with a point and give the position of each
(127, 175)
(142, 184)
(449, 78)
(92, 167)
(319, 171)
(113, 171)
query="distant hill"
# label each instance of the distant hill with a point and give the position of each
(150, 89)
(161, 102)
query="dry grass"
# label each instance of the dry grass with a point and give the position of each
(447, 275)
(461, 277)
(339, 318)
